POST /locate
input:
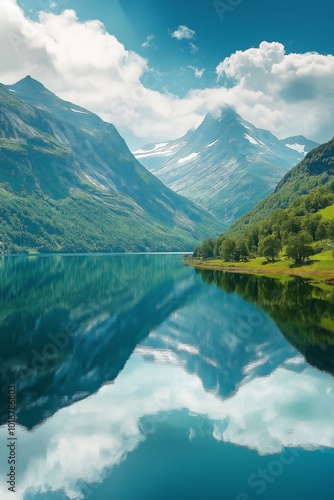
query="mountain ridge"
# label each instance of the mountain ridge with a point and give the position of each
(225, 165)
(55, 175)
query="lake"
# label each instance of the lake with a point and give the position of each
(138, 378)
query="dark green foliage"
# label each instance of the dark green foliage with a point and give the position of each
(322, 231)
(296, 227)
(207, 248)
(299, 247)
(242, 250)
(269, 247)
(228, 249)
(217, 245)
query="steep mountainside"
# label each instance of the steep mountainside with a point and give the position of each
(226, 165)
(315, 170)
(68, 182)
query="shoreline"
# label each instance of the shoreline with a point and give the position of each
(326, 276)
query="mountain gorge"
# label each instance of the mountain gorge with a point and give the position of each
(226, 165)
(68, 183)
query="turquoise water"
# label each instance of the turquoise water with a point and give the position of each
(139, 378)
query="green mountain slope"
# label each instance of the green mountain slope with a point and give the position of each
(315, 170)
(288, 227)
(68, 183)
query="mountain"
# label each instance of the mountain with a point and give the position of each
(68, 183)
(315, 170)
(300, 143)
(226, 165)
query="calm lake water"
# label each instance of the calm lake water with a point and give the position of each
(138, 378)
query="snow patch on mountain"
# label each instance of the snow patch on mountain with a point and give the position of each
(187, 158)
(251, 140)
(77, 111)
(297, 147)
(212, 143)
(168, 152)
(157, 150)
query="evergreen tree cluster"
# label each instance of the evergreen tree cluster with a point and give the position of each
(299, 229)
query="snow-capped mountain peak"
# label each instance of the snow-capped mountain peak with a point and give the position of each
(226, 165)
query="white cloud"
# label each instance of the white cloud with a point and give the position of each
(148, 42)
(197, 72)
(263, 415)
(193, 48)
(289, 94)
(183, 32)
(52, 5)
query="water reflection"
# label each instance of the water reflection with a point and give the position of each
(303, 312)
(202, 362)
(286, 409)
(69, 324)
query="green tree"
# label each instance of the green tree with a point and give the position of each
(299, 247)
(290, 226)
(242, 250)
(227, 249)
(269, 247)
(197, 251)
(311, 224)
(217, 245)
(206, 248)
(321, 232)
(252, 238)
(330, 230)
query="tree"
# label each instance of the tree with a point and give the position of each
(311, 224)
(290, 226)
(330, 230)
(242, 250)
(217, 244)
(269, 247)
(299, 247)
(197, 252)
(206, 249)
(227, 249)
(321, 231)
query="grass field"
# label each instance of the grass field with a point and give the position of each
(319, 267)
(327, 213)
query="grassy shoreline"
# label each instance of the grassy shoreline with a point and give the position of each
(320, 268)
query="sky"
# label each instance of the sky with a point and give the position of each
(155, 68)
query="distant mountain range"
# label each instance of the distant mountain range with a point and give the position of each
(68, 183)
(226, 165)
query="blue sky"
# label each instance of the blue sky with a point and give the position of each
(155, 68)
(220, 29)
